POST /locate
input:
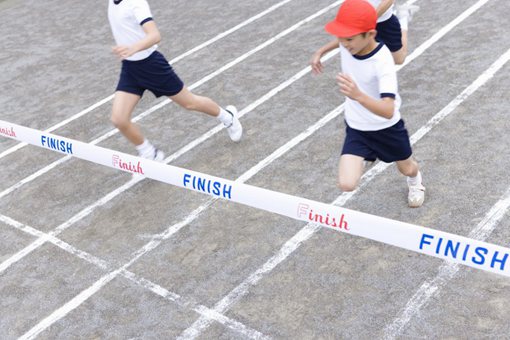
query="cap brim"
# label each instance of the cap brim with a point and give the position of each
(339, 30)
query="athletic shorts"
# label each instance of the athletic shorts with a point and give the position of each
(389, 145)
(153, 73)
(390, 33)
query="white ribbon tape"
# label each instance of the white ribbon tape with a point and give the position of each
(449, 247)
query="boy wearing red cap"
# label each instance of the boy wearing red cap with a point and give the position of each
(144, 68)
(374, 128)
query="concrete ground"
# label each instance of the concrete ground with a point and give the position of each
(87, 253)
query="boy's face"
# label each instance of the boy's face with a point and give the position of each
(358, 44)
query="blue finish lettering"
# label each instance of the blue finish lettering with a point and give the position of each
(207, 185)
(216, 188)
(501, 261)
(201, 184)
(227, 191)
(424, 241)
(461, 251)
(185, 180)
(439, 245)
(450, 248)
(480, 252)
(56, 144)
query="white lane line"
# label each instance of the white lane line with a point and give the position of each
(59, 243)
(110, 196)
(173, 61)
(140, 281)
(107, 278)
(156, 240)
(208, 313)
(310, 229)
(446, 271)
(167, 101)
(61, 312)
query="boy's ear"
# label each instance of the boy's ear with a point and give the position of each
(372, 33)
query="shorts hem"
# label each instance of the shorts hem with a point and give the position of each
(131, 91)
(167, 93)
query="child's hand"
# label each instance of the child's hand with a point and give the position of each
(123, 52)
(347, 86)
(316, 64)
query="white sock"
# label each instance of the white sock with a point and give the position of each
(146, 149)
(414, 181)
(225, 117)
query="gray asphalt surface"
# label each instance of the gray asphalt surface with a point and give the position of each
(56, 62)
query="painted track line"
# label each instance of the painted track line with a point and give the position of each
(84, 295)
(142, 282)
(310, 229)
(55, 241)
(88, 210)
(133, 181)
(200, 309)
(156, 240)
(203, 322)
(447, 271)
(173, 61)
(167, 101)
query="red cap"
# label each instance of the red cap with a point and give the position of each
(353, 17)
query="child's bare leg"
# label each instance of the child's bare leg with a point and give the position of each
(227, 116)
(193, 102)
(408, 167)
(350, 170)
(404, 14)
(123, 106)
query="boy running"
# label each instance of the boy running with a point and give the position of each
(144, 68)
(374, 128)
(391, 29)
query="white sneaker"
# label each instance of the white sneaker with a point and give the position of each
(416, 196)
(158, 157)
(235, 129)
(406, 11)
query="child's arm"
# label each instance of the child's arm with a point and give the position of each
(383, 107)
(152, 37)
(315, 63)
(383, 7)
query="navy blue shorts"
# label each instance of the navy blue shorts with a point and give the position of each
(153, 73)
(389, 145)
(390, 33)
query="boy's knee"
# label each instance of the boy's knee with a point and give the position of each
(119, 122)
(409, 170)
(346, 186)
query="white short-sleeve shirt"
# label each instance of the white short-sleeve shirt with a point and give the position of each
(375, 75)
(126, 19)
(386, 15)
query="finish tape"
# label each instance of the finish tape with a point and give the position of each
(446, 246)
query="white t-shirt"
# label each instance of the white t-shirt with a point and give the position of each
(386, 15)
(126, 19)
(375, 75)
